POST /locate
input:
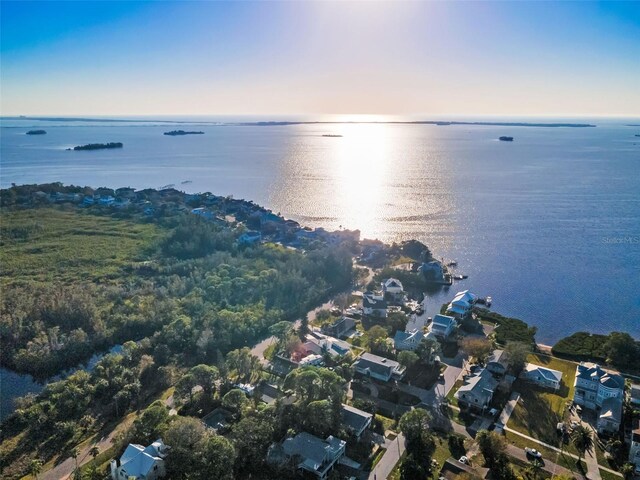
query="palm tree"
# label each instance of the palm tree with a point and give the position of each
(582, 439)
(35, 468)
(627, 470)
(535, 468)
(74, 455)
(94, 451)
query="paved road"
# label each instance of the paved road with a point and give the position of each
(395, 449)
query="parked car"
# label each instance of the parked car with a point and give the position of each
(532, 452)
(464, 459)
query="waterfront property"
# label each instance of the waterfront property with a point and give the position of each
(477, 390)
(407, 340)
(600, 390)
(442, 326)
(379, 368)
(311, 453)
(462, 304)
(634, 395)
(355, 420)
(542, 376)
(140, 463)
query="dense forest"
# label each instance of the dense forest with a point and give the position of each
(177, 291)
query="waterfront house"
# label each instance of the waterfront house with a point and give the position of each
(140, 463)
(432, 271)
(377, 367)
(340, 328)
(355, 420)
(593, 385)
(600, 390)
(408, 340)
(442, 326)
(462, 304)
(374, 305)
(542, 376)
(477, 390)
(311, 453)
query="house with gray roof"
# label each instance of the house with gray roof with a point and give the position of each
(355, 420)
(542, 376)
(593, 385)
(497, 363)
(311, 453)
(377, 367)
(407, 340)
(374, 305)
(610, 417)
(340, 328)
(477, 390)
(140, 463)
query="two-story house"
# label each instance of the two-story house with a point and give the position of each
(442, 326)
(600, 390)
(140, 463)
(379, 368)
(408, 340)
(311, 453)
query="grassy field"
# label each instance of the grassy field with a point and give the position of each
(538, 411)
(48, 244)
(441, 453)
(547, 453)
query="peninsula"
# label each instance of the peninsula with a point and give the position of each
(97, 146)
(176, 133)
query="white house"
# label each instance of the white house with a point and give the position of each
(374, 305)
(408, 340)
(378, 367)
(477, 390)
(634, 395)
(140, 463)
(542, 376)
(392, 289)
(442, 326)
(320, 344)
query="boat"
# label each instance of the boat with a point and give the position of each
(488, 301)
(460, 277)
(452, 263)
(506, 139)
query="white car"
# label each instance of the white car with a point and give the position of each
(532, 452)
(464, 460)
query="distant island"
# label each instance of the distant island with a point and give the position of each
(506, 139)
(331, 135)
(97, 146)
(175, 133)
(36, 132)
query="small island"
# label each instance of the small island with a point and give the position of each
(175, 133)
(506, 139)
(97, 146)
(331, 135)
(36, 132)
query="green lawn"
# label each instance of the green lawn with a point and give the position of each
(441, 453)
(538, 411)
(48, 244)
(561, 459)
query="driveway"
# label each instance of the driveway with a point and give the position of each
(384, 467)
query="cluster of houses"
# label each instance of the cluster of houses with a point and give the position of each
(261, 224)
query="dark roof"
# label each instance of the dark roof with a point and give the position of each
(379, 365)
(370, 302)
(354, 418)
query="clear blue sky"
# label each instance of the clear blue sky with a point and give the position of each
(407, 58)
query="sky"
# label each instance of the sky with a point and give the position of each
(313, 58)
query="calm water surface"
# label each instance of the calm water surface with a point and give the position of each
(548, 225)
